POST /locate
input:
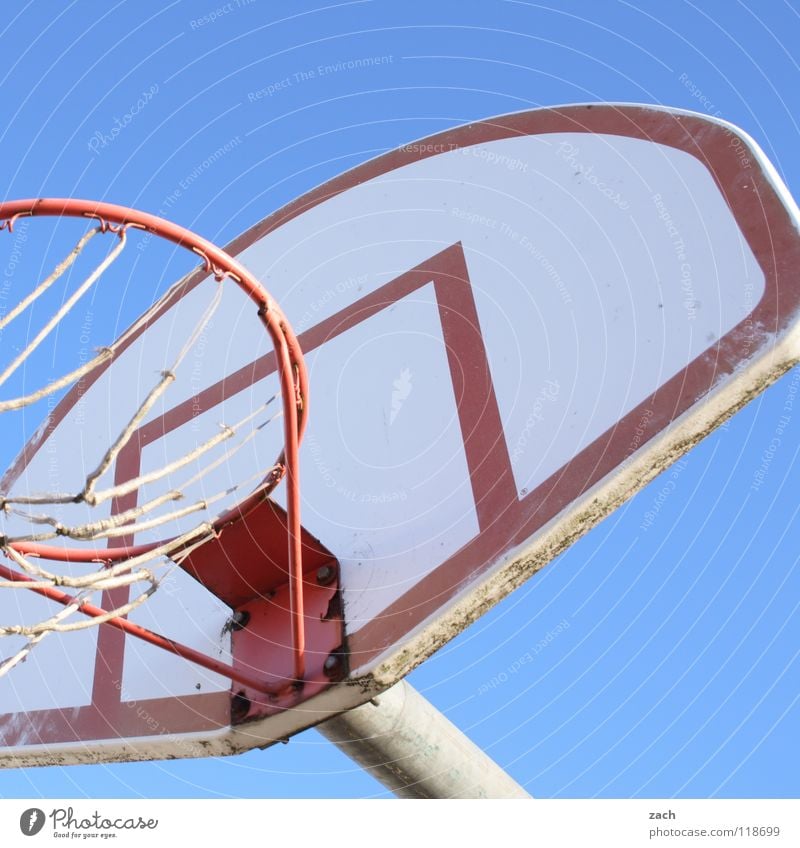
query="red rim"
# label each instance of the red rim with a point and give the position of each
(292, 375)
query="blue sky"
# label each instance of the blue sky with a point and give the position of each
(678, 672)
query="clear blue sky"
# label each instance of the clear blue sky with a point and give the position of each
(678, 674)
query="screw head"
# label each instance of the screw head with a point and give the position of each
(333, 666)
(240, 707)
(326, 575)
(240, 619)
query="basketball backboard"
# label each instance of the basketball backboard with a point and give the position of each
(509, 327)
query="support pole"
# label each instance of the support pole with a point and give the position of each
(403, 741)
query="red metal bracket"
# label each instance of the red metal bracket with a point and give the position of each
(262, 646)
(246, 567)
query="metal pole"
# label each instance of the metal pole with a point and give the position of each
(403, 741)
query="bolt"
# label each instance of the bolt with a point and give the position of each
(326, 575)
(333, 666)
(240, 619)
(240, 707)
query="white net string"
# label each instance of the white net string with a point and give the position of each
(140, 574)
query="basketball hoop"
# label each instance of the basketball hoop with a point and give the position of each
(122, 563)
